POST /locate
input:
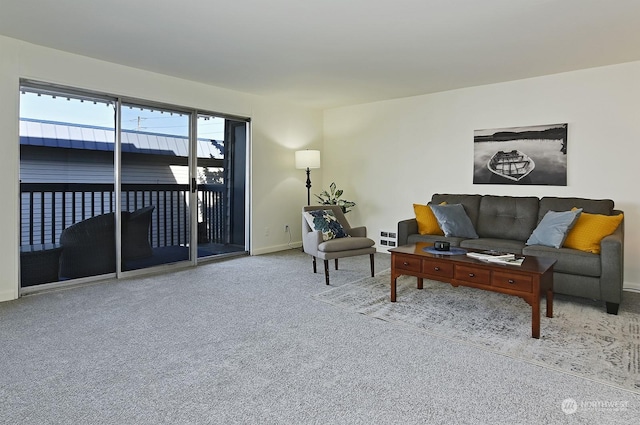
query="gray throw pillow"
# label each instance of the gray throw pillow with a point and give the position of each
(553, 228)
(454, 221)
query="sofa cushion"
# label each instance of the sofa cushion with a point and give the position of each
(427, 222)
(507, 217)
(592, 206)
(590, 229)
(570, 261)
(326, 222)
(471, 203)
(502, 245)
(553, 229)
(454, 221)
(415, 238)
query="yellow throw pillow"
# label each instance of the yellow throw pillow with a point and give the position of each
(427, 222)
(590, 229)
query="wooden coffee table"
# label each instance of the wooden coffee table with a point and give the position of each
(526, 281)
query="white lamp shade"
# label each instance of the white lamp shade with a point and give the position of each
(307, 159)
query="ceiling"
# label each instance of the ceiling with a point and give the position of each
(328, 53)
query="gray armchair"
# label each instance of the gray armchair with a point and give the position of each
(333, 249)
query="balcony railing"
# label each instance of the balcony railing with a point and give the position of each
(48, 208)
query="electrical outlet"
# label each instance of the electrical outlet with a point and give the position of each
(286, 228)
(388, 238)
(266, 232)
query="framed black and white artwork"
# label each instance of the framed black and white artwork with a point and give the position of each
(534, 155)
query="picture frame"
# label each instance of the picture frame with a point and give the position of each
(531, 155)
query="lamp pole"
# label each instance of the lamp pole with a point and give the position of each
(306, 160)
(308, 186)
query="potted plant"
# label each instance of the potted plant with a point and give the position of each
(332, 197)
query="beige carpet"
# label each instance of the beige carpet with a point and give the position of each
(581, 339)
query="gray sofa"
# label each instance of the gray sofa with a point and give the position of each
(504, 223)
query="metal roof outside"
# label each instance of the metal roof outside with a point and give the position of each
(76, 136)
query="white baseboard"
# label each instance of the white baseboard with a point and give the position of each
(383, 249)
(276, 248)
(631, 286)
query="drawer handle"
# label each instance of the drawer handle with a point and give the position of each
(472, 275)
(511, 281)
(405, 264)
(436, 269)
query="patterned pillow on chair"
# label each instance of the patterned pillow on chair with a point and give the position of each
(326, 222)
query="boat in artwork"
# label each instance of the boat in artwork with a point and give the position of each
(513, 165)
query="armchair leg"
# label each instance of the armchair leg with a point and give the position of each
(336, 263)
(371, 261)
(612, 308)
(326, 271)
(314, 265)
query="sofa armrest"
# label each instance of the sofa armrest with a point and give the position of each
(360, 231)
(405, 228)
(612, 263)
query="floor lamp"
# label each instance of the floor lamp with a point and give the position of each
(308, 159)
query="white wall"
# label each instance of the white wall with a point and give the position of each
(278, 129)
(388, 155)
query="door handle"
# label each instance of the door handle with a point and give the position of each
(194, 185)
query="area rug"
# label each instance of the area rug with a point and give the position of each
(581, 339)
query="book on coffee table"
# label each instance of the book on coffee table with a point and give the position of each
(497, 257)
(514, 261)
(491, 255)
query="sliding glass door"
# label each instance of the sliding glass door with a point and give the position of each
(110, 186)
(236, 132)
(221, 185)
(67, 215)
(155, 186)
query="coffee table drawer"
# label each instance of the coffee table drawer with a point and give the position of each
(472, 274)
(512, 281)
(411, 264)
(437, 268)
